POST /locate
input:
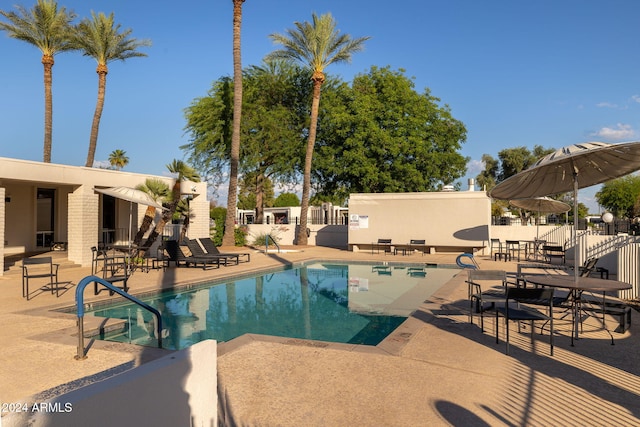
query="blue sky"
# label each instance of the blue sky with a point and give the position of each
(546, 72)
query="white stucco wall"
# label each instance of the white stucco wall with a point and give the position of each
(445, 220)
(179, 389)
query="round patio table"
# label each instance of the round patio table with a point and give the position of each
(576, 286)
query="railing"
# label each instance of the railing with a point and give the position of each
(629, 269)
(80, 307)
(266, 243)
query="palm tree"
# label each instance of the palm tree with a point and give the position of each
(47, 28)
(228, 239)
(118, 159)
(101, 39)
(316, 45)
(183, 172)
(184, 211)
(160, 192)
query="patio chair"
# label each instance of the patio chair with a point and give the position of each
(384, 244)
(159, 260)
(514, 247)
(116, 271)
(418, 244)
(495, 285)
(552, 252)
(101, 255)
(212, 249)
(517, 308)
(39, 268)
(496, 246)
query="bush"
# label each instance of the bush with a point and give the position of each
(240, 235)
(261, 239)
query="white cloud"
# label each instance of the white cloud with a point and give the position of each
(474, 167)
(619, 133)
(636, 98)
(102, 164)
(606, 105)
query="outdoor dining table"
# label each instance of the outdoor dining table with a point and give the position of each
(533, 249)
(576, 287)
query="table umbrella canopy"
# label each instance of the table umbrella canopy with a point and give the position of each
(584, 164)
(570, 168)
(131, 195)
(541, 204)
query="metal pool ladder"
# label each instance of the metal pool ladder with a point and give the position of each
(80, 306)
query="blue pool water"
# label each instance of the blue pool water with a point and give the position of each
(345, 303)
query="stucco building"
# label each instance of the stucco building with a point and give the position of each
(42, 203)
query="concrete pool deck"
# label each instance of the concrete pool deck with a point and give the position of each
(436, 369)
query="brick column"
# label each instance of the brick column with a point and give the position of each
(83, 221)
(199, 224)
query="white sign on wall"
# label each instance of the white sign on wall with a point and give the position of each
(356, 222)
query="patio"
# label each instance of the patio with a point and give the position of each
(436, 369)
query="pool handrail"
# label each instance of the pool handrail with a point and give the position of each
(80, 308)
(461, 264)
(266, 246)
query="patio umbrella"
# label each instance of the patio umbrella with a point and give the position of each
(570, 168)
(132, 195)
(540, 204)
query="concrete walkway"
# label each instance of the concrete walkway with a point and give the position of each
(436, 369)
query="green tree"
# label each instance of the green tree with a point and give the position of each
(286, 199)
(619, 196)
(232, 195)
(101, 38)
(159, 191)
(510, 162)
(383, 136)
(47, 28)
(487, 178)
(249, 194)
(183, 172)
(317, 45)
(118, 159)
(273, 121)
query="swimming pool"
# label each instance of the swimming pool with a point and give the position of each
(354, 303)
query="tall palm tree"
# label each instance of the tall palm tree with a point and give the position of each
(316, 45)
(101, 39)
(118, 159)
(47, 28)
(183, 172)
(228, 239)
(159, 191)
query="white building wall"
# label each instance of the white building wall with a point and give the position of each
(447, 221)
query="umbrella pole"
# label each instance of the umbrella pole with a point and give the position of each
(575, 227)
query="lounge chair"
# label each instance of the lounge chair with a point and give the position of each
(212, 249)
(197, 251)
(179, 257)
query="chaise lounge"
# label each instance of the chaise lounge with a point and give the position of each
(212, 249)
